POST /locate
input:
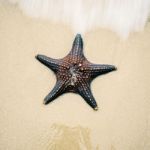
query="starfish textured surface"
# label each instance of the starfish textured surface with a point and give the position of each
(74, 73)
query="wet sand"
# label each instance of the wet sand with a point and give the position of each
(123, 119)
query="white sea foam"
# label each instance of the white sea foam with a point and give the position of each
(121, 16)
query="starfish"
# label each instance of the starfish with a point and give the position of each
(74, 73)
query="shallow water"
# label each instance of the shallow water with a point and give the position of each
(121, 16)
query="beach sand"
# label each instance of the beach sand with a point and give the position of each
(123, 119)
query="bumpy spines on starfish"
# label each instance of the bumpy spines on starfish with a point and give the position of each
(96, 69)
(74, 73)
(77, 46)
(85, 91)
(49, 62)
(56, 91)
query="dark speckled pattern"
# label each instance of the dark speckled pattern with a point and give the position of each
(74, 73)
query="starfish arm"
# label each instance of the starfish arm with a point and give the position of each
(96, 69)
(49, 62)
(85, 92)
(56, 91)
(77, 47)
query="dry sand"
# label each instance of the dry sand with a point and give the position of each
(121, 123)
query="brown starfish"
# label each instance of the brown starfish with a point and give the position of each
(74, 73)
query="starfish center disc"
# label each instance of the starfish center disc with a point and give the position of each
(74, 72)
